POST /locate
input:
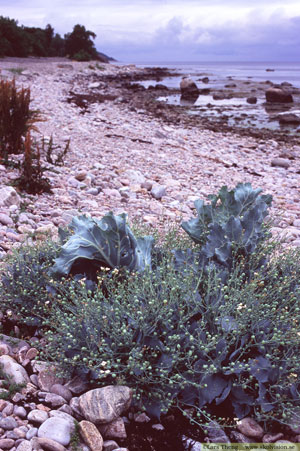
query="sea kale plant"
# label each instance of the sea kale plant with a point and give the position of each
(229, 229)
(156, 333)
(94, 244)
(212, 330)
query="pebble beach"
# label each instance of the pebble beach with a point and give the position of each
(122, 158)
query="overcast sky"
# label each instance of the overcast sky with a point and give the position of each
(174, 30)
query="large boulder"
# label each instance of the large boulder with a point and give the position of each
(103, 405)
(188, 87)
(278, 95)
(13, 370)
(289, 118)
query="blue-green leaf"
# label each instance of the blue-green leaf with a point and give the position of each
(108, 242)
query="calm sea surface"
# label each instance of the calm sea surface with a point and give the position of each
(280, 72)
(235, 108)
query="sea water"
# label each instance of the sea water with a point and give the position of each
(219, 73)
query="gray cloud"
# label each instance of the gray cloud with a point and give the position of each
(274, 39)
(173, 30)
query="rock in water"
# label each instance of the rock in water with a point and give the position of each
(188, 87)
(278, 95)
(103, 405)
(289, 118)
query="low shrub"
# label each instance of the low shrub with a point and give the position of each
(27, 290)
(186, 340)
(211, 330)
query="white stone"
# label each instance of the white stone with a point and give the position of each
(57, 429)
(9, 196)
(12, 369)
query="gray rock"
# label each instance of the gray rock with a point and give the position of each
(188, 87)
(65, 408)
(238, 437)
(20, 412)
(47, 444)
(278, 95)
(147, 185)
(6, 220)
(114, 429)
(15, 344)
(271, 438)
(25, 445)
(31, 433)
(158, 427)
(47, 378)
(141, 418)
(74, 404)
(5, 349)
(8, 423)
(281, 163)
(54, 400)
(192, 444)
(64, 415)
(91, 435)
(37, 416)
(103, 405)
(94, 85)
(216, 433)
(250, 428)
(158, 191)
(9, 196)
(57, 429)
(110, 445)
(252, 100)
(93, 191)
(16, 434)
(6, 443)
(8, 409)
(289, 118)
(135, 176)
(62, 391)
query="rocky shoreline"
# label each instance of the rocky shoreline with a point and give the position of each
(127, 153)
(118, 152)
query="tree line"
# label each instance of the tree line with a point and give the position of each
(21, 41)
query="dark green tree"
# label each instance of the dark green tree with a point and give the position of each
(13, 40)
(79, 43)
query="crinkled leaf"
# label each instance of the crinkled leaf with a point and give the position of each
(153, 408)
(224, 394)
(234, 229)
(239, 213)
(241, 396)
(215, 386)
(189, 395)
(260, 369)
(262, 399)
(165, 361)
(228, 323)
(143, 252)
(107, 242)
